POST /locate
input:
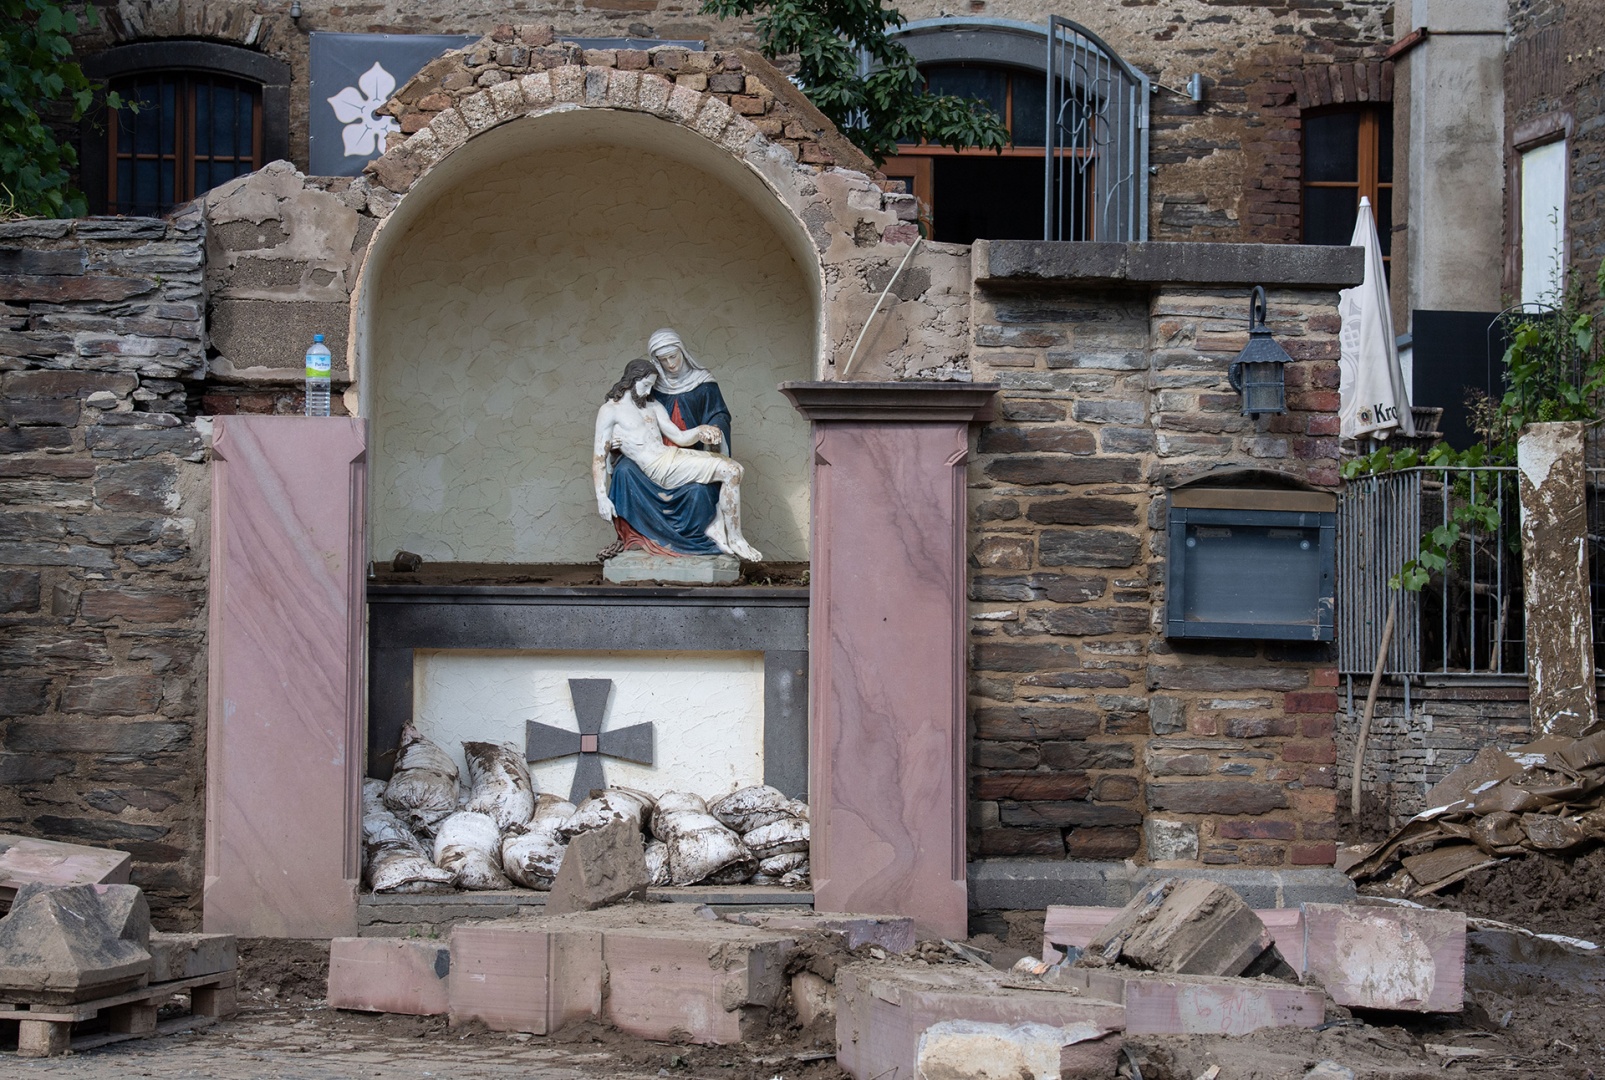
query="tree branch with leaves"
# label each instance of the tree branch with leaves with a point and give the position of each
(876, 110)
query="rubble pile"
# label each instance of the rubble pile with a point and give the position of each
(1548, 796)
(425, 832)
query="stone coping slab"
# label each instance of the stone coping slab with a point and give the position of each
(999, 262)
(1035, 884)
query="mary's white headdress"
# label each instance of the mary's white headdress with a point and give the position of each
(691, 374)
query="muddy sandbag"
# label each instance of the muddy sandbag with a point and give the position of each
(657, 863)
(423, 788)
(373, 793)
(695, 854)
(393, 860)
(470, 845)
(533, 853)
(673, 802)
(498, 781)
(666, 827)
(799, 878)
(552, 806)
(743, 808)
(797, 808)
(778, 865)
(778, 838)
(614, 804)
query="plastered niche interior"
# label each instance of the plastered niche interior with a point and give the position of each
(511, 304)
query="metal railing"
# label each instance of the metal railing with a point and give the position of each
(1097, 140)
(1468, 619)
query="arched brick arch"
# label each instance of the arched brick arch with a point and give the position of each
(235, 23)
(1359, 82)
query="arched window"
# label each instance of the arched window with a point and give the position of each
(1348, 152)
(1099, 143)
(205, 113)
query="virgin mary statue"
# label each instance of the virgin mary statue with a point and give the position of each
(672, 521)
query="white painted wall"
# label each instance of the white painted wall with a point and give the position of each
(512, 303)
(707, 708)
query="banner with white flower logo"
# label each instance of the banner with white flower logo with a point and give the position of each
(352, 75)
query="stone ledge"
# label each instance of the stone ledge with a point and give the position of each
(1032, 884)
(1272, 265)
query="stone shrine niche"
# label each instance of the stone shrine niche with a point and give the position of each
(509, 290)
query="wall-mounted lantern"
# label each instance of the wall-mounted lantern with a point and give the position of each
(1257, 373)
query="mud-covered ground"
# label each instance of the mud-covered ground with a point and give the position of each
(1535, 1009)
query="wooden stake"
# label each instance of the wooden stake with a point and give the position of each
(1370, 707)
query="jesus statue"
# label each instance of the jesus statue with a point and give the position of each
(638, 427)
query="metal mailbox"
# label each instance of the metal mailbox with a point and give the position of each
(1250, 563)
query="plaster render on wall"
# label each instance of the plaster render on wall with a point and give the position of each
(510, 307)
(707, 708)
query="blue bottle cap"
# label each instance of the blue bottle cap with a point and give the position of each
(317, 338)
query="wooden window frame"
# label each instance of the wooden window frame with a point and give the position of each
(1367, 183)
(183, 158)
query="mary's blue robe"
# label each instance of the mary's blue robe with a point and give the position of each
(674, 518)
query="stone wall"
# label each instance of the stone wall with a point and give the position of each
(1093, 735)
(103, 495)
(1227, 170)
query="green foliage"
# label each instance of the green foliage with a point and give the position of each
(39, 76)
(1554, 371)
(876, 111)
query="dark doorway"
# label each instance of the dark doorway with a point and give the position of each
(1456, 355)
(998, 198)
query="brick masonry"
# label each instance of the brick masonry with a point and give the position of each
(1087, 724)
(103, 498)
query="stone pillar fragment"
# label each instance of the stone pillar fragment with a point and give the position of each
(1554, 538)
(888, 656)
(284, 719)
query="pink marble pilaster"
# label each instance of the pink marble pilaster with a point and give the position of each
(284, 718)
(887, 647)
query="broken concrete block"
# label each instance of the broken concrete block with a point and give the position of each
(882, 1010)
(1413, 959)
(390, 975)
(1194, 927)
(715, 983)
(600, 867)
(73, 943)
(25, 860)
(532, 975)
(184, 956)
(894, 933)
(973, 1050)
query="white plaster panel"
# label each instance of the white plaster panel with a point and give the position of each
(708, 708)
(511, 305)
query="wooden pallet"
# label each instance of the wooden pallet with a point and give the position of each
(46, 1030)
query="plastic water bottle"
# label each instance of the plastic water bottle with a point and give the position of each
(318, 364)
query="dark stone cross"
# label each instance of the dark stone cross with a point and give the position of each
(542, 742)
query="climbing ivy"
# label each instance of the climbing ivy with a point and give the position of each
(40, 82)
(878, 110)
(1554, 371)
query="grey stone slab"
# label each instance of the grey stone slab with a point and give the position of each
(73, 943)
(1271, 265)
(630, 566)
(184, 956)
(1029, 884)
(600, 867)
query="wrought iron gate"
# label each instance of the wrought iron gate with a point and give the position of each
(1097, 140)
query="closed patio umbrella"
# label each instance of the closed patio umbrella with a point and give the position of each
(1373, 400)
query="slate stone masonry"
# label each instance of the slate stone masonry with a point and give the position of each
(102, 561)
(1094, 737)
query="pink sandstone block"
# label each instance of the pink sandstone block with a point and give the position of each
(24, 859)
(888, 694)
(1076, 926)
(1178, 1005)
(881, 1012)
(1413, 959)
(715, 985)
(521, 975)
(284, 717)
(893, 933)
(391, 975)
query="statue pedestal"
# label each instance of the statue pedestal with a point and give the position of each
(637, 565)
